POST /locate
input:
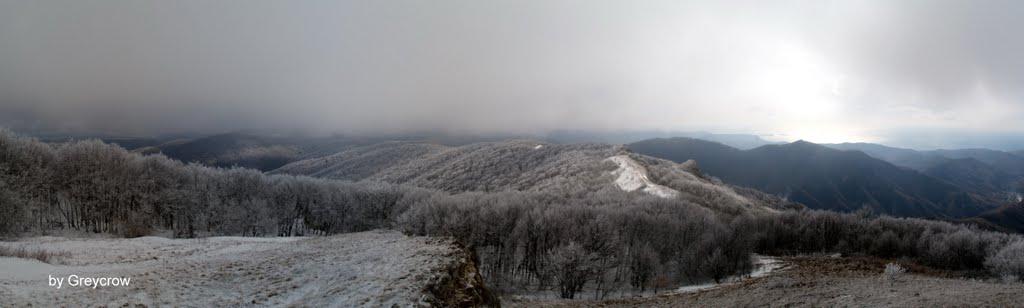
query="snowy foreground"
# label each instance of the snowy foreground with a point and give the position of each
(374, 268)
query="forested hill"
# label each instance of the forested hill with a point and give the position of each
(488, 166)
(824, 178)
(527, 165)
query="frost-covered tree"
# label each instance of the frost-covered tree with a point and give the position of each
(1008, 262)
(893, 272)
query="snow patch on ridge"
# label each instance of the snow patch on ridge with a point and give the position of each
(633, 176)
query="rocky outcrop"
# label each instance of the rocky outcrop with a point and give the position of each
(460, 284)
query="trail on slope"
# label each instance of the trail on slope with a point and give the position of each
(632, 176)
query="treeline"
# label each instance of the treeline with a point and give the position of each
(603, 241)
(933, 243)
(608, 242)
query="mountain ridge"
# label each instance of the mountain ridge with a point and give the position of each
(527, 165)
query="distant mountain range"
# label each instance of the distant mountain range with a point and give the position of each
(990, 172)
(739, 141)
(824, 178)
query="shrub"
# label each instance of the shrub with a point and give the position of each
(893, 272)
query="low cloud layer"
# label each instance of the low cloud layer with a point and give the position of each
(818, 70)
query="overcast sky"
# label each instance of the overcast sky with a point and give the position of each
(818, 70)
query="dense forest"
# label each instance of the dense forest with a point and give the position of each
(589, 243)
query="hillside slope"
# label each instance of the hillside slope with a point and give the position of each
(1008, 218)
(976, 176)
(823, 178)
(1003, 161)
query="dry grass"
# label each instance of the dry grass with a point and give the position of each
(46, 256)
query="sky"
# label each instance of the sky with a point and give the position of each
(908, 73)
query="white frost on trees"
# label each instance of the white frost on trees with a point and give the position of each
(633, 176)
(1007, 262)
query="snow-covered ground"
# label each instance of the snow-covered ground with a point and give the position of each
(632, 176)
(377, 268)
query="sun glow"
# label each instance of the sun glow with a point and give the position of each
(801, 94)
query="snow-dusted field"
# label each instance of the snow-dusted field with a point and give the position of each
(374, 268)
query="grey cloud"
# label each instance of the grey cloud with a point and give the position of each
(842, 69)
